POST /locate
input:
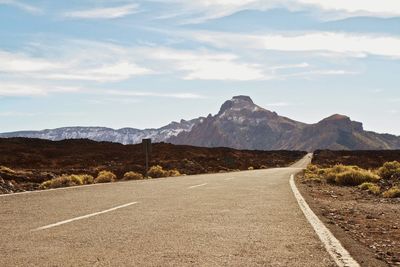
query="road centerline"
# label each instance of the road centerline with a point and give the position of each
(194, 186)
(83, 217)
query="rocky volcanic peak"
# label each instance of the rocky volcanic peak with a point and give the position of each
(239, 124)
(237, 103)
(242, 110)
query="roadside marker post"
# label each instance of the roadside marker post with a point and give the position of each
(147, 150)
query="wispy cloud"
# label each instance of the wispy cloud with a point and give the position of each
(319, 72)
(30, 89)
(80, 61)
(206, 65)
(118, 71)
(104, 13)
(202, 10)
(290, 66)
(351, 45)
(154, 94)
(19, 62)
(18, 114)
(199, 11)
(23, 6)
(371, 7)
(97, 62)
(278, 104)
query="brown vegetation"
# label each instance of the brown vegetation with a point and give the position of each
(390, 170)
(158, 172)
(371, 188)
(67, 181)
(133, 176)
(342, 175)
(393, 192)
(105, 177)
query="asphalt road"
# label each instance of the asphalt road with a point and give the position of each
(232, 219)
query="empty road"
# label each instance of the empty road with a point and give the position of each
(232, 219)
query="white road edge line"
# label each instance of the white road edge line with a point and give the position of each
(193, 186)
(83, 217)
(339, 254)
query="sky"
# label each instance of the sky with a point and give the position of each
(145, 63)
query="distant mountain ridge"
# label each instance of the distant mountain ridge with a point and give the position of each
(239, 124)
(123, 136)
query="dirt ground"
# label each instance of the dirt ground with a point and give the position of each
(39, 160)
(367, 225)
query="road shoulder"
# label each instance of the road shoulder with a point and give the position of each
(360, 252)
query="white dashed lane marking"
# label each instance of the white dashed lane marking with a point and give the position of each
(194, 186)
(83, 217)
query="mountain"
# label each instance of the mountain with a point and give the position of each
(123, 136)
(241, 124)
(337, 132)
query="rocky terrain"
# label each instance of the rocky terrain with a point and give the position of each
(367, 159)
(239, 124)
(365, 221)
(366, 224)
(28, 162)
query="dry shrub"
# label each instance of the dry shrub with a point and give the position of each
(173, 173)
(349, 175)
(370, 187)
(392, 192)
(330, 178)
(311, 168)
(356, 177)
(86, 179)
(67, 181)
(132, 176)
(6, 170)
(250, 168)
(389, 170)
(105, 177)
(311, 172)
(158, 172)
